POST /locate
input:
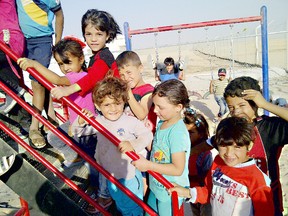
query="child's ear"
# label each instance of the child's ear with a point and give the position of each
(250, 146)
(82, 59)
(97, 107)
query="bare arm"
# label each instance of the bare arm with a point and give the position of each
(52, 77)
(141, 109)
(211, 87)
(59, 25)
(260, 101)
(181, 75)
(59, 92)
(175, 168)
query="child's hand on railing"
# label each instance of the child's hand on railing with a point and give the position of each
(181, 191)
(125, 146)
(87, 113)
(142, 164)
(25, 63)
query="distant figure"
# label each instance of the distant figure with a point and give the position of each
(217, 88)
(282, 102)
(169, 70)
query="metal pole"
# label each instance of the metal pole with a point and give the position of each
(127, 36)
(264, 38)
(195, 25)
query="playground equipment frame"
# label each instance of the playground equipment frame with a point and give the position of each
(264, 38)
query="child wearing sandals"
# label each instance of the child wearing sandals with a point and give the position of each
(69, 55)
(110, 96)
(234, 184)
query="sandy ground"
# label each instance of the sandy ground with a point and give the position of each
(199, 71)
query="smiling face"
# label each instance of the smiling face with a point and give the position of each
(131, 74)
(71, 64)
(95, 38)
(240, 107)
(111, 108)
(233, 154)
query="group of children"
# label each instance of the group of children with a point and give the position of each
(230, 185)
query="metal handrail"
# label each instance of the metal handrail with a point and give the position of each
(101, 129)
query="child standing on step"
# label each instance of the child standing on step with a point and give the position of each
(110, 96)
(171, 144)
(69, 55)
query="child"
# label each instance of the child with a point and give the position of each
(243, 97)
(234, 185)
(36, 22)
(98, 28)
(217, 88)
(171, 145)
(69, 55)
(139, 94)
(199, 164)
(169, 70)
(110, 96)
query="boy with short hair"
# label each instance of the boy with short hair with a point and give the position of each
(244, 97)
(139, 94)
(234, 185)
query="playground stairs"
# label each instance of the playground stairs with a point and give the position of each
(45, 193)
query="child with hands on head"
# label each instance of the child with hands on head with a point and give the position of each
(98, 28)
(243, 97)
(234, 184)
(171, 145)
(110, 96)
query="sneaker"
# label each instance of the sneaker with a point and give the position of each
(9, 102)
(69, 164)
(105, 203)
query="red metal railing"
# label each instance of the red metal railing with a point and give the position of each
(195, 25)
(24, 210)
(96, 125)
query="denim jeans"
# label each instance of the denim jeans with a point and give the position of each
(124, 204)
(222, 104)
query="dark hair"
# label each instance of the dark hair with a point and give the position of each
(222, 70)
(174, 90)
(110, 86)
(102, 21)
(169, 61)
(238, 85)
(126, 58)
(69, 46)
(234, 129)
(192, 117)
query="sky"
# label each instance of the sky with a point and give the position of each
(155, 13)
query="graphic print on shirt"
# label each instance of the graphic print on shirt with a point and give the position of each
(231, 194)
